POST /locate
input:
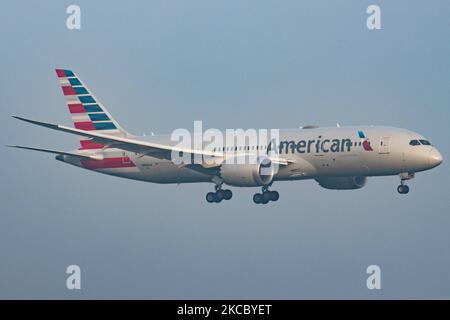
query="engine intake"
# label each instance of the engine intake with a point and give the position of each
(248, 175)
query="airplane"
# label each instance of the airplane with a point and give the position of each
(339, 158)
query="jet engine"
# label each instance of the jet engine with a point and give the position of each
(242, 174)
(342, 183)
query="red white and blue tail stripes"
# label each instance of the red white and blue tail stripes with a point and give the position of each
(86, 111)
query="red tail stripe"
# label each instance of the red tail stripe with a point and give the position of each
(68, 91)
(77, 108)
(60, 73)
(88, 144)
(86, 125)
(120, 162)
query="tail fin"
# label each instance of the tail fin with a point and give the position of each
(87, 112)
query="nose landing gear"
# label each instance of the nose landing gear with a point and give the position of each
(265, 196)
(403, 188)
(219, 195)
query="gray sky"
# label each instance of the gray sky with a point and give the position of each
(160, 65)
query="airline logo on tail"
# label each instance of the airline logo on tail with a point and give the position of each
(86, 111)
(366, 142)
(90, 115)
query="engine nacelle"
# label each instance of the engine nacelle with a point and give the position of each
(248, 175)
(342, 183)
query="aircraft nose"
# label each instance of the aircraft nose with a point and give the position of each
(435, 158)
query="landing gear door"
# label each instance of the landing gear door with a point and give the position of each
(385, 145)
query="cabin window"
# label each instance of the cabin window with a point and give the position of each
(414, 143)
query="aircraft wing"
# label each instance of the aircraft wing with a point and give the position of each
(91, 157)
(143, 148)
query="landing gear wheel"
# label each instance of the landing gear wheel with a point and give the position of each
(257, 198)
(220, 195)
(266, 197)
(403, 189)
(274, 195)
(211, 197)
(227, 194)
(404, 176)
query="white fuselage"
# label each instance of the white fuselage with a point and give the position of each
(312, 153)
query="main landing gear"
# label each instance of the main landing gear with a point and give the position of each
(403, 188)
(219, 195)
(265, 196)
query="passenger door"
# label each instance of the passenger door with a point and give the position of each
(385, 145)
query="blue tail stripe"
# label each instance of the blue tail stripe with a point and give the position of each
(98, 117)
(74, 82)
(92, 108)
(104, 126)
(86, 99)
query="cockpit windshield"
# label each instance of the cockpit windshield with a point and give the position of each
(418, 142)
(425, 142)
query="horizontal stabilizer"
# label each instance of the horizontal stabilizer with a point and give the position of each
(124, 143)
(92, 157)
